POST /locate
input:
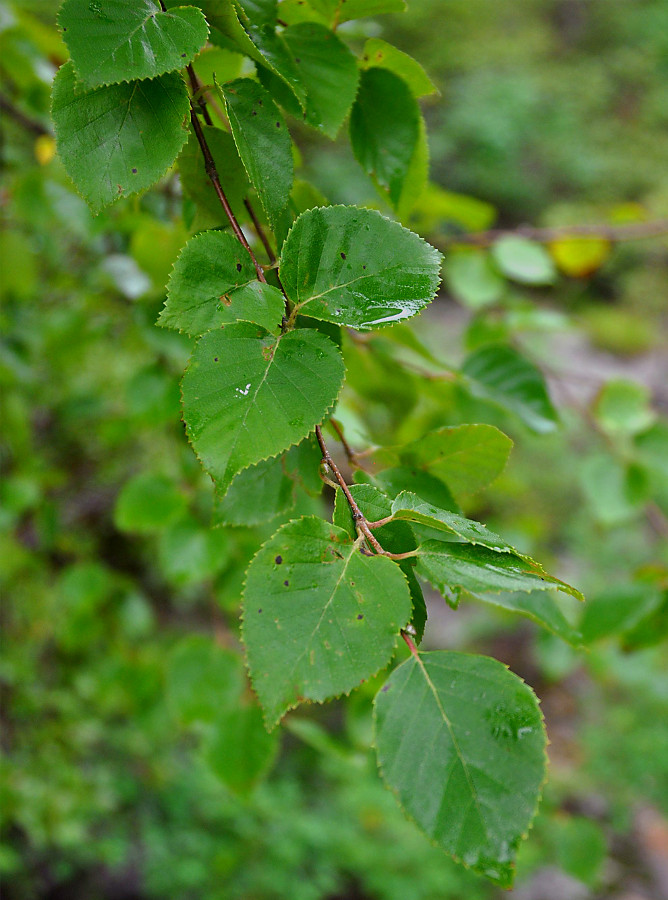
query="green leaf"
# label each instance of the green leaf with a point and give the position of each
(461, 742)
(263, 142)
(618, 609)
(623, 408)
(214, 282)
(524, 260)
(381, 55)
(540, 608)
(118, 140)
(355, 267)
(319, 616)
(385, 128)
(239, 751)
(114, 40)
(466, 457)
(402, 478)
(472, 279)
(259, 12)
(451, 566)
(616, 492)
(346, 10)
(190, 553)
(412, 508)
(257, 494)
(197, 184)
(148, 503)
(499, 373)
(248, 395)
(203, 680)
(326, 75)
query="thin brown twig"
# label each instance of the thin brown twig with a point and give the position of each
(201, 102)
(21, 118)
(347, 449)
(635, 231)
(409, 641)
(260, 232)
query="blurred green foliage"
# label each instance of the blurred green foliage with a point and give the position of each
(552, 111)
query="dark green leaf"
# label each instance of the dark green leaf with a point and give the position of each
(214, 282)
(248, 395)
(263, 142)
(499, 373)
(238, 750)
(355, 267)
(618, 609)
(402, 478)
(259, 12)
(449, 566)
(385, 128)
(319, 616)
(461, 742)
(120, 139)
(197, 184)
(114, 40)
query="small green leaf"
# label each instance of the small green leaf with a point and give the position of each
(319, 616)
(355, 267)
(239, 751)
(203, 679)
(618, 609)
(326, 75)
(263, 142)
(623, 408)
(466, 457)
(450, 566)
(257, 494)
(461, 742)
(114, 40)
(541, 608)
(346, 10)
(499, 373)
(248, 395)
(148, 503)
(385, 128)
(615, 491)
(472, 279)
(214, 282)
(189, 553)
(120, 139)
(380, 54)
(524, 260)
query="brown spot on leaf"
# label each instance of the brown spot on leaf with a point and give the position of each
(278, 560)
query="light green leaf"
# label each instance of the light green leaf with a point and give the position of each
(319, 616)
(326, 75)
(189, 553)
(248, 395)
(461, 742)
(203, 679)
(466, 457)
(417, 175)
(616, 492)
(618, 609)
(380, 54)
(436, 207)
(214, 282)
(239, 751)
(118, 140)
(499, 373)
(263, 142)
(452, 566)
(541, 608)
(623, 408)
(197, 184)
(257, 494)
(472, 279)
(148, 503)
(355, 267)
(114, 40)
(385, 129)
(524, 260)
(346, 10)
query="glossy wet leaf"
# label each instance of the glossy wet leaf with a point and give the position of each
(451, 566)
(499, 373)
(248, 395)
(385, 129)
(214, 282)
(461, 742)
(118, 139)
(466, 457)
(319, 616)
(378, 53)
(113, 40)
(263, 142)
(355, 267)
(524, 260)
(238, 749)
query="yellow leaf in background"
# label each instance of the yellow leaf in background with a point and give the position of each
(580, 256)
(45, 149)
